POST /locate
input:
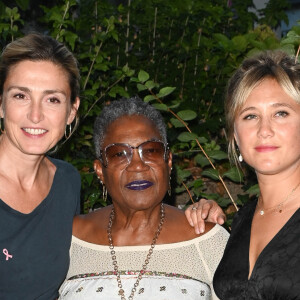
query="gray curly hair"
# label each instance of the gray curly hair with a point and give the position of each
(126, 107)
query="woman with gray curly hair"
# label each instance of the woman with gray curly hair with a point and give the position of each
(138, 247)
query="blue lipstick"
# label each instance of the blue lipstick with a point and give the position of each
(139, 185)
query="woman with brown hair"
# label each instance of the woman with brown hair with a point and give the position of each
(39, 91)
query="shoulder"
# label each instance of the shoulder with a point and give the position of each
(245, 212)
(247, 207)
(177, 227)
(63, 165)
(64, 168)
(92, 227)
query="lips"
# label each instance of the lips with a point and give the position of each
(265, 148)
(139, 185)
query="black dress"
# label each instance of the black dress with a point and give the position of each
(276, 274)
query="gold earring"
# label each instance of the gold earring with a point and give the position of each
(2, 129)
(169, 189)
(104, 193)
(68, 132)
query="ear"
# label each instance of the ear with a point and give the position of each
(99, 169)
(73, 111)
(169, 162)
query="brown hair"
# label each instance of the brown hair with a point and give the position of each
(38, 47)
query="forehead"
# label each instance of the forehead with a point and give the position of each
(37, 74)
(269, 91)
(133, 130)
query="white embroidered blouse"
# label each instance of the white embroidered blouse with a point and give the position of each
(182, 270)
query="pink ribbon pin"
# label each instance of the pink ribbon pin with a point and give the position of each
(8, 256)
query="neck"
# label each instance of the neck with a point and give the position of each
(127, 218)
(19, 167)
(136, 227)
(276, 189)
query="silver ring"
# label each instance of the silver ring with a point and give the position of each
(194, 208)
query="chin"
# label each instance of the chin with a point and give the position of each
(35, 151)
(268, 171)
(142, 204)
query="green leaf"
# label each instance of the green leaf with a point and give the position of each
(201, 160)
(115, 36)
(240, 43)
(242, 199)
(176, 123)
(86, 143)
(149, 98)
(187, 115)
(211, 173)
(186, 137)
(141, 87)
(160, 106)
(88, 177)
(165, 91)
(117, 90)
(111, 20)
(88, 137)
(234, 174)
(224, 202)
(198, 183)
(143, 76)
(223, 41)
(217, 154)
(150, 84)
(254, 190)
(132, 79)
(129, 72)
(182, 174)
(291, 38)
(202, 140)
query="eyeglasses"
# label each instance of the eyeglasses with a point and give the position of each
(120, 155)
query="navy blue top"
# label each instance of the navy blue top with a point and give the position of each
(276, 274)
(34, 247)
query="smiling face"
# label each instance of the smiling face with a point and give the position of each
(36, 106)
(139, 185)
(267, 130)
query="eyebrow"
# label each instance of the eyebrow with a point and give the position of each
(275, 105)
(27, 90)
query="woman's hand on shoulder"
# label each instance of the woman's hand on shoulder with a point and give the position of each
(204, 211)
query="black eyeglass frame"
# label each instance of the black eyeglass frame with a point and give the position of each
(103, 152)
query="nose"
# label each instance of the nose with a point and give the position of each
(35, 113)
(136, 164)
(265, 129)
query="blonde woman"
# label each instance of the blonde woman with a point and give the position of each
(261, 259)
